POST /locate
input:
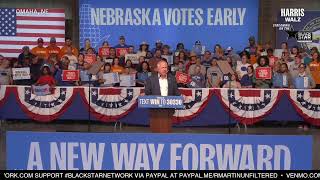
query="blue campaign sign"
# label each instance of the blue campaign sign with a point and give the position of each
(170, 102)
(229, 23)
(108, 151)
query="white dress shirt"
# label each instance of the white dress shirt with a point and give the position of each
(163, 82)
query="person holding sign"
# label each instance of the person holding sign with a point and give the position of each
(103, 79)
(282, 78)
(46, 78)
(104, 51)
(263, 82)
(116, 67)
(162, 83)
(303, 80)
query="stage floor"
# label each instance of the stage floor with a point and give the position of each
(76, 126)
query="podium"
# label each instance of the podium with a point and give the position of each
(161, 110)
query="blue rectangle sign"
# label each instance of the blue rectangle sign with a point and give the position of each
(169, 102)
(112, 151)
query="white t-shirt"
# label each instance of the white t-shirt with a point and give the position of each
(242, 68)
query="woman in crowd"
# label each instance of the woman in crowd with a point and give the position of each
(5, 73)
(129, 64)
(214, 75)
(263, 61)
(242, 67)
(46, 78)
(247, 79)
(116, 67)
(105, 69)
(182, 56)
(233, 83)
(315, 69)
(282, 78)
(143, 74)
(294, 52)
(303, 80)
(143, 49)
(112, 53)
(87, 46)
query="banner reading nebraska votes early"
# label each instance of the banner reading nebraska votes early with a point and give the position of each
(112, 151)
(229, 23)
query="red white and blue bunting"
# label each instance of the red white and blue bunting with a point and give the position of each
(196, 100)
(307, 104)
(249, 106)
(44, 108)
(3, 90)
(111, 104)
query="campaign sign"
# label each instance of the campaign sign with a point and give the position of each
(111, 78)
(121, 51)
(128, 80)
(169, 21)
(104, 51)
(70, 75)
(41, 90)
(182, 78)
(90, 58)
(169, 58)
(143, 151)
(170, 102)
(133, 57)
(263, 73)
(20, 73)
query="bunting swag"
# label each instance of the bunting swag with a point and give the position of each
(3, 90)
(44, 108)
(196, 101)
(307, 104)
(248, 106)
(111, 104)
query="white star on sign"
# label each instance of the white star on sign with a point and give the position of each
(268, 96)
(198, 93)
(130, 93)
(299, 95)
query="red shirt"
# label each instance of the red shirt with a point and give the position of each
(46, 79)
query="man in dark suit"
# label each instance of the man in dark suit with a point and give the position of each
(162, 83)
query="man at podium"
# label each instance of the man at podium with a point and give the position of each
(162, 83)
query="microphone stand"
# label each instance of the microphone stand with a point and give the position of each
(89, 110)
(229, 108)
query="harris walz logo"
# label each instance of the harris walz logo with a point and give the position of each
(292, 14)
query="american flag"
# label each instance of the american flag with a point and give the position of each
(21, 27)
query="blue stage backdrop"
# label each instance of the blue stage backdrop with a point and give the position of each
(73, 151)
(229, 23)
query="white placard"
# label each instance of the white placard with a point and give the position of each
(21, 73)
(111, 78)
(128, 80)
(41, 90)
(108, 61)
(169, 58)
(133, 57)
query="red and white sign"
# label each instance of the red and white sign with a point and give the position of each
(263, 73)
(104, 51)
(122, 51)
(90, 58)
(70, 75)
(182, 77)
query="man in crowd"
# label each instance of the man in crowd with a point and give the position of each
(53, 49)
(64, 49)
(40, 50)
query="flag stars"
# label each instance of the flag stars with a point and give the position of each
(268, 96)
(299, 95)
(198, 93)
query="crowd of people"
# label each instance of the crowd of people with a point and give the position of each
(47, 64)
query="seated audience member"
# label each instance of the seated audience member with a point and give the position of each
(294, 69)
(234, 56)
(206, 59)
(53, 49)
(116, 67)
(263, 61)
(46, 78)
(105, 69)
(129, 64)
(68, 44)
(35, 68)
(192, 68)
(282, 78)
(143, 74)
(25, 64)
(198, 79)
(25, 54)
(193, 59)
(247, 79)
(303, 80)
(40, 50)
(143, 49)
(241, 68)
(182, 56)
(315, 68)
(307, 58)
(233, 83)
(87, 46)
(72, 58)
(214, 75)
(271, 57)
(5, 72)
(63, 65)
